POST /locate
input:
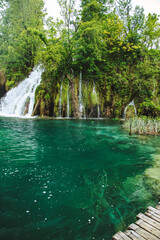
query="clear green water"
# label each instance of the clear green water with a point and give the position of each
(66, 179)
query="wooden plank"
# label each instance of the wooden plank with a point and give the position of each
(158, 216)
(149, 220)
(154, 210)
(153, 216)
(143, 233)
(133, 235)
(148, 228)
(124, 236)
(117, 236)
(158, 207)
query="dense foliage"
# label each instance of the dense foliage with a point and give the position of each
(21, 24)
(115, 50)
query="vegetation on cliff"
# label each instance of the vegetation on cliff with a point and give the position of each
(21, 28)
(117, 51)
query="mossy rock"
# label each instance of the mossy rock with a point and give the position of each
(152, 175)
(130, 113)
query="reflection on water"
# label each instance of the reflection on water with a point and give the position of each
(72, 179)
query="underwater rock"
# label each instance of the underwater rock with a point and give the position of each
(152, 175)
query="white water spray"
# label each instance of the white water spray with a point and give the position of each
(130, 104)
(13, 104)
(95, 93)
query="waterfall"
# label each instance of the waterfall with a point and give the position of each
(68, 101)
(130, 104)
(19, 101)
(81, 105)
(98, 108)
(60, 100)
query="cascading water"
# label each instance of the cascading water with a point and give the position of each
(60, 100)
(130, 104)
(95, 93)
(81, 105)
(19, 101)
(68, 101)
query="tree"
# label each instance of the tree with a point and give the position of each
(18, 41)
(110, 49)
(151, 32)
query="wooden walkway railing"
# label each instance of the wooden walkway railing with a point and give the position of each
(147, 226)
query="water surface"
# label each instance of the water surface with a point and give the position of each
(71, 180)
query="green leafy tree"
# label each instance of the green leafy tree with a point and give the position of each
(151, 33)
(21, 20)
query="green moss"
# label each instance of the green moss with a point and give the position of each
(64, 94)
(130, 112)
(152, 175)
(10, 84)
(56, 104)
(47, 97)
(87, 88)
(94, 98)
(42, 108)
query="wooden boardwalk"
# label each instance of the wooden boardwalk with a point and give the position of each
(147, 226)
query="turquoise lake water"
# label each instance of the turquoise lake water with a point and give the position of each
(70, 179)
